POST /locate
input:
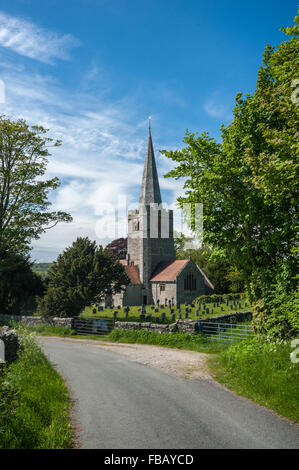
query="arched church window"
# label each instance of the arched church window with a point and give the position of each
(190, 282)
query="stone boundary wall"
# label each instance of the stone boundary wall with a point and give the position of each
(38, 320)
(11, 343)
(185, 326)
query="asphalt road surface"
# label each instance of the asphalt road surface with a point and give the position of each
(120, 404)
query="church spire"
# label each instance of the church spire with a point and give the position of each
(150, 189)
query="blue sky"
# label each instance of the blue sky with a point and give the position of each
(92, 71)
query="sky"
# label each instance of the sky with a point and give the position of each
(92, 71)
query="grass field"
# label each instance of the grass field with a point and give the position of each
(262, 372)
(34, 403)
(41, 268)
(212, 310)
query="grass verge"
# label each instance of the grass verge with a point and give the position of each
(34, 402)
(171, 340)
(262, 372)
(41, 329)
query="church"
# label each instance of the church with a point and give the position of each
(154, 273)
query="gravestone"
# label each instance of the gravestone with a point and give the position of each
(163, 317)
(115, 315)
(142, 317)
(173, 317)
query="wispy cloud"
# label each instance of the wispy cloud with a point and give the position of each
(216, 106)
(102, 155)
(29, 40)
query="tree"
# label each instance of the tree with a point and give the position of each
(83, 274)
(19, 285)
(24, 205)
(219, 271)
(248, 185)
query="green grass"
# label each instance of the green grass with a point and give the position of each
(171, 340)
(262, 372)
(41, 329)
(34, 403)
(134, 313)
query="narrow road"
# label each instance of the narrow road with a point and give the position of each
(121, 404)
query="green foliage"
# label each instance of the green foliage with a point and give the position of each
(248, 184)
(41, 329)
(82, 275)
(24, 205)
(19, 285)
(206, 299)
(34, 403)
(219, 271)
(41, 268)
(277, 313)
(263, 372)
(171, 340)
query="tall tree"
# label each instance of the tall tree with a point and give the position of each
(248, 185)
(19, 285)
(24, 204)
(83, 274)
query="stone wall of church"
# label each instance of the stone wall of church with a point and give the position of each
(170, 292)
(131, 296)
(188, 296)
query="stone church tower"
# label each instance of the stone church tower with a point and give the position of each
(150, 227)
(156, 277)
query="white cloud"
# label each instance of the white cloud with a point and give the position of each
(102, 155)
(217, 107)
(27, 39)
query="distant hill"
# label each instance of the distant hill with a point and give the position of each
(41, 268)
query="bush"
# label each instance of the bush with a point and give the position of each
(217, 297)
(194, 342)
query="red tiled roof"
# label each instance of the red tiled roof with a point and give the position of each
(131, 271)
(169, 271)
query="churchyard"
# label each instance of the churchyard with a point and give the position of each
(168, 313)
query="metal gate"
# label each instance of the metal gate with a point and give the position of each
(93, 326)
(224, 332)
